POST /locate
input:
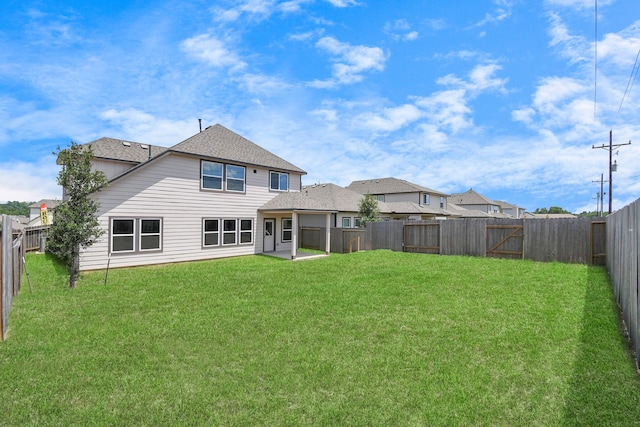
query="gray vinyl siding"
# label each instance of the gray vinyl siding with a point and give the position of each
(169, 188)
(111, 168)
(403, 197)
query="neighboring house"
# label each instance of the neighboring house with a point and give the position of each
(34, 211)
(511, 210)
(467, 213)
(475, 201)
(404, 199)
(200, 199)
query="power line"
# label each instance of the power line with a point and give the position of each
(595, 65)
(632, 78)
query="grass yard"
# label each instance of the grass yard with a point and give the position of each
(372, 338)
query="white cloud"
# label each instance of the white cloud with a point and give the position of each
(575, 48)
(143, 127)
(502, 12)
(481, 78)
(213, 51)
(578, 4)
(343, 3)
(350, 61)
(391, 119)
(448, 110)
(400, 29)
(37, 180)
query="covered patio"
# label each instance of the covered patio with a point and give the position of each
(295, 204)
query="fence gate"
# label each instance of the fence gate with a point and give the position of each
(505, 240)
(598, 243)
(422, 237)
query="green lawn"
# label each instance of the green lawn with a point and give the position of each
(372, 338)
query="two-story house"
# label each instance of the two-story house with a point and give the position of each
(403, 199)
(473, 200)
(199, 199)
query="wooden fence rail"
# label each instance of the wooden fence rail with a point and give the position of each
(623, 256)
(11, 267)
(579, 240)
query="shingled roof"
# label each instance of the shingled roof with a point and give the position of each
(218, 142)
(470, 197)
(126, 151)
(332, 197)
(388, 186)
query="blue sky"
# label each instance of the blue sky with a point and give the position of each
(502, 96)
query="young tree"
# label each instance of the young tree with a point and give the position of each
(368, 210)
(75, 224)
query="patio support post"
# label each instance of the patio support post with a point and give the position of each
(327, 248)
(294, 235)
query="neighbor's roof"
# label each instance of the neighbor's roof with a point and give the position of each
(411, 208)
(506, 205)
(467, 213)
(51, 203)
(388, 186)
(332, 197)
(121, 150)
(470, 197)
(218, 142)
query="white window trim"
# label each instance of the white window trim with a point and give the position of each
(202, 175)
(279, 175)
(426, 199)
(140, 234)
(348, 219)
(287, 229)
(204, 233)
(241, 231)
(113, 235)
(234, 232)
(226, 178)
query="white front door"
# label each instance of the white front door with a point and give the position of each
(269, 242)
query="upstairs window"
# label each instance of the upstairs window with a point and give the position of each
(235, 178)
(279, 181)
(379, 197)
(218, 176)
(442, 202)
(346, 222)
(426, 199)
(212, 175)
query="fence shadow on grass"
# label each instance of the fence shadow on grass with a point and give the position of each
(595, 392)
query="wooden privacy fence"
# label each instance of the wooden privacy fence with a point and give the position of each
(623, 256)
(579, 240)
(343, 240)
(11, 264)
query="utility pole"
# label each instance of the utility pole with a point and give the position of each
(601, 194)
(612, 167)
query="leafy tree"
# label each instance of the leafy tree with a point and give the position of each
(76, 225)
(368, 210)
(589, 214)
(551, 210)
(15, 208)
